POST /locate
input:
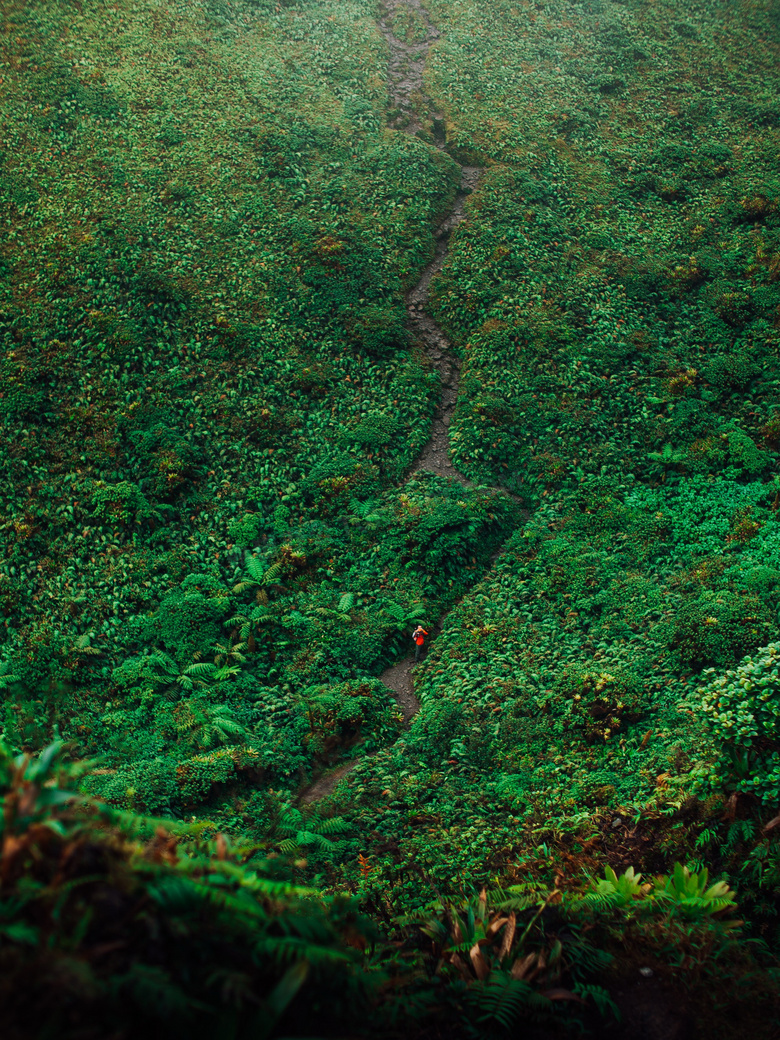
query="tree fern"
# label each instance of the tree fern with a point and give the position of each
(83, 646)
(255, 572)
(163, 661)
(363, 509)
(232, 654)
(221, 728)
(308, 832)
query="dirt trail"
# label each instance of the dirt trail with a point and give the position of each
(435, 456)
(414, 111)
(324, 784)
(411, 109)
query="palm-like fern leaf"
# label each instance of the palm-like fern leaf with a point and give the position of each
(273, 572)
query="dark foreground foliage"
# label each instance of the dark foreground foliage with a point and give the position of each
(114, 924)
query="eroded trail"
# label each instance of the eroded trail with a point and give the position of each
(435, 456)
(412, 110)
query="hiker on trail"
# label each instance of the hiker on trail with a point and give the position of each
(418, 636)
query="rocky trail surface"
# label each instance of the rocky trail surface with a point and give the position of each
(412, 110)
(415, 112)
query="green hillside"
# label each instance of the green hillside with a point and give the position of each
(322, 320)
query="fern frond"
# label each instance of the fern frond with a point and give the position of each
(228, 725)
(164, 661)
(236, 622)
(200, 669)
(600, 902)
(601, 998)
(273, 572)
(8, 679)
(228, 670)
(335, 825)
(254, 567)
(291, 820)
(244, 586)
(518, 903)
(363, 509)
(503, 999)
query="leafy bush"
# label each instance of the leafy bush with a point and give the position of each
(189, 618)
(524, 954)
(718, 627)
(742, 709)
(599, 704)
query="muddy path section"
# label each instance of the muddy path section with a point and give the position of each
(325, 783)
(435, 455)
(408, 103)
(409, 109)
(413, 111)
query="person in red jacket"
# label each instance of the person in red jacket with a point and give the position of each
(418, 636)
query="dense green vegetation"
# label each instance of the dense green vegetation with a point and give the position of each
(212, 547)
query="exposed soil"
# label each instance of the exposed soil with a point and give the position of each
(409, 105)
(435, 456)
(398, 678)
(413, 110)
(324, 784)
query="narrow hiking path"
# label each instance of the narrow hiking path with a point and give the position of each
(435, 455)
(412, 110)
